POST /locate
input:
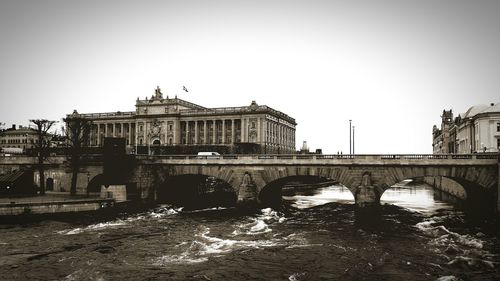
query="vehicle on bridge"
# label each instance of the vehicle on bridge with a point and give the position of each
(207, 154)
(7, 151)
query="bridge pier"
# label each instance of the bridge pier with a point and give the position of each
(247, 191)
(367, 196)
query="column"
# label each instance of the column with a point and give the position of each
(98, 134)
(245, 132)
(135, 137)
(187, 132)
(175, 132)
(205, 132)
(288, 138)
(91, 136)
(232, 131)
(223, 131)
(196, 132)
(280, 135)
(130, 133)
(215, 132)
(258, 131)
(105, 130)
(121, 130)
(242, 125)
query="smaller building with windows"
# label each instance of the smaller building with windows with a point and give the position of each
(22, 137)
(475, 131)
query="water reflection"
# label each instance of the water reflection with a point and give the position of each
(415, 197)
(321, 196)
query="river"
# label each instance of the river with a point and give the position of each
(316, 236)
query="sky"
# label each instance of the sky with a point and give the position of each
(389, 66)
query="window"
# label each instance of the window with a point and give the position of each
(498, 126)
(170, 127)
(498, 144)
(140, 128)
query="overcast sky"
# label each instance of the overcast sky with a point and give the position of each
(390, 66)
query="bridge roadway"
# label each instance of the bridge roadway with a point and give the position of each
(366, 176)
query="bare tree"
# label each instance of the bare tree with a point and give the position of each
(77, 134)
(42, 127)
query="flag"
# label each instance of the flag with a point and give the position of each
(184, 88)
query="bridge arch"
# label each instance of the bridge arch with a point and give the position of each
(479, 183)
(481, 177)
(196, 191)
(96, 183)
(272, 177)
(271, 194)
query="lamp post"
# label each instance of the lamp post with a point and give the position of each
(350, 132)
(353, 139)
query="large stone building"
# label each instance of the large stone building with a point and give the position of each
(475, 131)
(169, 122)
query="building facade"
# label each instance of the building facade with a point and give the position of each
(22, 137)
(167, 122)
(475, 131)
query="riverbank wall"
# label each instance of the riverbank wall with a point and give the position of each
(53, 207)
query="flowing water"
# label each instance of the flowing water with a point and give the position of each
(317, 236)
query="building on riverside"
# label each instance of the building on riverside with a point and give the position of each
(20, 137)
(169, 124)
(475, 131)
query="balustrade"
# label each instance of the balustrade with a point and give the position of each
(335, 157)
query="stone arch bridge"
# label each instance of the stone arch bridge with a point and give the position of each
(366, 176)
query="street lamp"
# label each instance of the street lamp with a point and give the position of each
(353, 139)
(350, 130)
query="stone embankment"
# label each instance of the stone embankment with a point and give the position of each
(51, 204)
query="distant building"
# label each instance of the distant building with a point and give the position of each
(22, 137)
(304, 149)
(168, 122)
(475, 131)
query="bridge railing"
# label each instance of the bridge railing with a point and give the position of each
(346, 157)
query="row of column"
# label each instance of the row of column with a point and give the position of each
(112, 132)
(190, 125)
(258, 130)
(279, 135)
